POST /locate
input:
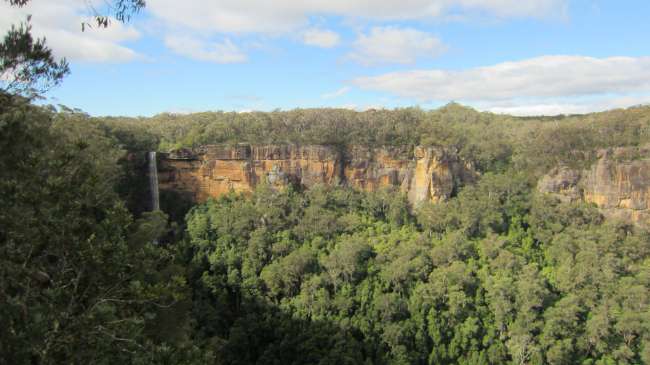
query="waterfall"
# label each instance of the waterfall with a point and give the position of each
(153, 181)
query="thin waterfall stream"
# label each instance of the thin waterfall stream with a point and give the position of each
(153, 181)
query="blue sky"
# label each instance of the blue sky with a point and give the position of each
(506, 56)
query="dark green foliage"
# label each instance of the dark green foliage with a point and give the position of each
(27, 65)
(496, 275)
(80, 281)
(488, 142)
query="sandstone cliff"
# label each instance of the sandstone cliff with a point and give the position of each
(618, 183)
(429, 173)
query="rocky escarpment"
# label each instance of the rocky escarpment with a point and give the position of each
(423, 173)
(618, 183)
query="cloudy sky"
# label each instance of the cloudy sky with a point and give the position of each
(507, 56)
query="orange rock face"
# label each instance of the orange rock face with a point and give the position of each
(424, 174)
(618, 183)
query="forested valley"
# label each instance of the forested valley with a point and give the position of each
(498, 274)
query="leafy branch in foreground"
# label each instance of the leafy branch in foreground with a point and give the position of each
(27, 65)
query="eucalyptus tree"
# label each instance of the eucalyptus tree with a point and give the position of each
(28, 66)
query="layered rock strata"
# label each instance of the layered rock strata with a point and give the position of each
(618, 183)
(423, 173)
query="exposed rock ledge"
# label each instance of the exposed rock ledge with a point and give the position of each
(618, 183)
(423, 173)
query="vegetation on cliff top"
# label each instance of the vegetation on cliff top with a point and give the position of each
(496, 275)
(491, 141)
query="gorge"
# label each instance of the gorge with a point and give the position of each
(456, 225)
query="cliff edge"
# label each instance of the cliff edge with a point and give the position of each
(422, 173)
(618, 183)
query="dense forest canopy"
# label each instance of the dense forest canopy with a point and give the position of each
(491, 141)
(498, 274)
(354, 278)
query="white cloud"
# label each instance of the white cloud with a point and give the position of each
(340, 92)
(360, 108)
(547, 85)
(208, 18)
(224, 52)
(541, 77)
(323, 38)
(395, 45)
(566, 107)
(60, 22)
(544, 109)
(511, 8)
(279, 16)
